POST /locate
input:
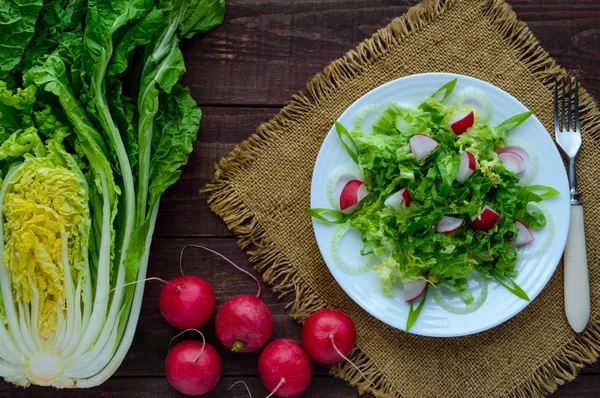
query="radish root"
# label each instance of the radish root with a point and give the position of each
(224, 258)
(190, 330)
(282, 382)
(154, 278)
(347, 360)
(245, 385)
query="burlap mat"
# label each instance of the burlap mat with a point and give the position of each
(262, 190)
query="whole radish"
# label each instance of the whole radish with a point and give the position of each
(328, 336)
(284, 368)
(243, 323)
(193, 367)
(187, 302)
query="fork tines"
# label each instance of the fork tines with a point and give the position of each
(566, 119)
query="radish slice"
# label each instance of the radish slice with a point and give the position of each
(543, 237)
(475, 99)
(524, 237)
(448, 224)
(422, 145)
(371, 113)
(354, 267)
(338, 180)
(467, 166)
(529, 154)
(399, 200)
(352, 193)
(512, 161)
(414, 289)
(485, 220)
(461, 122)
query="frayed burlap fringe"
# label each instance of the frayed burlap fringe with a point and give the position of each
(276, 268)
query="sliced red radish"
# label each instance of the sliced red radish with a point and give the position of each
(414, 289)
(461, 122)
(512, 161)
(467, 166)
(338, 179)
(352, 193)
(448, 224)
(485, 220)
(422, 145)
(524, 236)
(523, 149)
(399, 200)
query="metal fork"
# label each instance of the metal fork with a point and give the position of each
(568, 138)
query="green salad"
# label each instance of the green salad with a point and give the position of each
(435, 197)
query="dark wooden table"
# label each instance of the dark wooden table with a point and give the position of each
(241, 74)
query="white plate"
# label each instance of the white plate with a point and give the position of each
(501, 304)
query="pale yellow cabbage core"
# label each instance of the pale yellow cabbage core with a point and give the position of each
(45, 205)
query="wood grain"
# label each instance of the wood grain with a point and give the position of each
(183, 210)
(242, 73)
(329, 387)
(266, 51)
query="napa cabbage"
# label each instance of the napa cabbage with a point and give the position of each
(94, 127)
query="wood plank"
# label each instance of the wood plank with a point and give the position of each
(266, 50)
(328, 387)
(184, 211)
(583, 386)
(324, 387)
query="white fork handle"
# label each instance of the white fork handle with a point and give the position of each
(577, 285)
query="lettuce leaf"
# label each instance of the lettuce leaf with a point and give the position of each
(17, 26)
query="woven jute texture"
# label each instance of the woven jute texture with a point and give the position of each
(262, 190)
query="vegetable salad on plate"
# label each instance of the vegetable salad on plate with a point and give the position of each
(439, 196)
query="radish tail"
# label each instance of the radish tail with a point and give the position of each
(245, 385)
(282, 382)
(347, 360)
(133, 283)
(224, 258)
(190, 330)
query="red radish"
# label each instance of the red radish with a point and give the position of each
(284, 368)
(448, 224)
(328, 336)
(244, 323)
(352, 193)
(414, 289)
(467, 166)
(422, 145)
(461, 122)
(485, 220)
(193, 367)
(398, 200)
(512, 161)
(524, 236)
(187, 302)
